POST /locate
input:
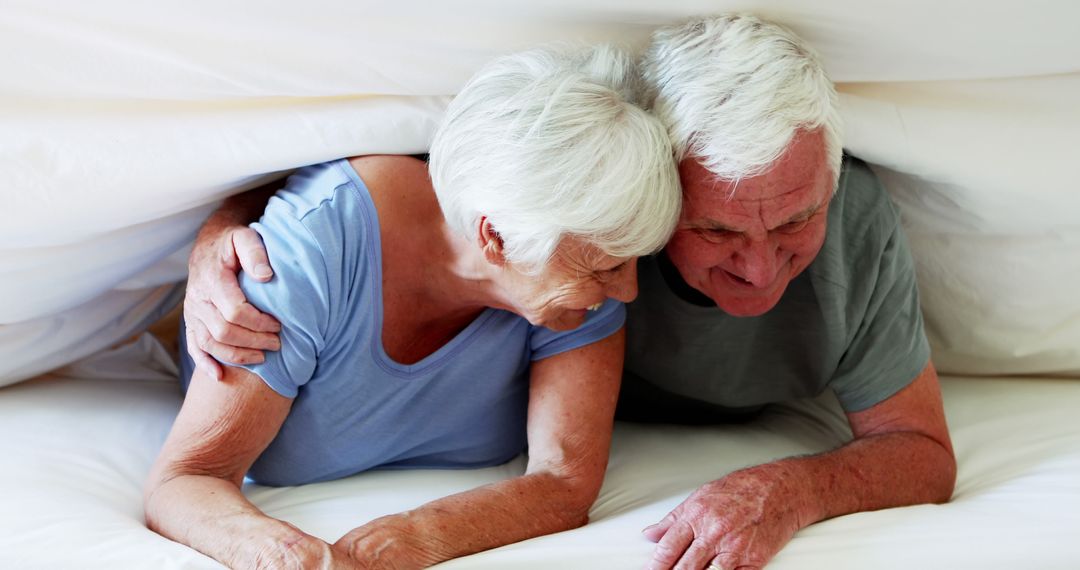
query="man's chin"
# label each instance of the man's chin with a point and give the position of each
(744, 307)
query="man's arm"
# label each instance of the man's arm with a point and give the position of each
(571, 409)
(901, 455)
(219, 319)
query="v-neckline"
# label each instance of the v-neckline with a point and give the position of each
(375, 277)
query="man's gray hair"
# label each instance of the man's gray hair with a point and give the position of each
(551, 143)
(733, 90)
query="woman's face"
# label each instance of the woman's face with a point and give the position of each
(578, 277)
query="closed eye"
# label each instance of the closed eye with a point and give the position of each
(793, 226)
(614, 270)
(714, 235)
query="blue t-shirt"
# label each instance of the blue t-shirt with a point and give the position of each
(354, 407)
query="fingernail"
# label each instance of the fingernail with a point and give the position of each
(276, 345)
(262, 270)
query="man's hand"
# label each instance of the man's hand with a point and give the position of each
(389, 542)
(900, 455)
(220, 321)
(738, 522)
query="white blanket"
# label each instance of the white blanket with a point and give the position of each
(123, 122)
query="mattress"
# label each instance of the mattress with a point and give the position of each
(80, 441)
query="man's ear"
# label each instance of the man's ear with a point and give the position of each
(490, 242)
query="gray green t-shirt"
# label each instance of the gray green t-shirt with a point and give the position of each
(850, 322)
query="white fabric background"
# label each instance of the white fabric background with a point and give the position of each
(123, 122)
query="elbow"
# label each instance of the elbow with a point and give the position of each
(571, 485)
(939, 468)
(151, 512)
(154, 507)
(947, 479)
(576, 497)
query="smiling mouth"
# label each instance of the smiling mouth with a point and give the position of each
(738, 280)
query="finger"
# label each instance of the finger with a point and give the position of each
(202, 361)
(655, 532)
(227, 252)
(252, 253)
(230, 302)
(223, 352)
(235, 335)
(671, 548)
(729, 558)
(697, 555)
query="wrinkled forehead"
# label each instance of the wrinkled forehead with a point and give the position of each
(801, 174)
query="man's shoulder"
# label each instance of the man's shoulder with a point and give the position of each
(862, 219)
(860, 200)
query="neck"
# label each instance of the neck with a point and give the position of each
(458, 277)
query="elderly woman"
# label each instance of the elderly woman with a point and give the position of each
(437, 322)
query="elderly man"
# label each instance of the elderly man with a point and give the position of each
(788, 276)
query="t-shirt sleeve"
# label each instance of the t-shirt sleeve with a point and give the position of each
(298, 295)
(598, 325)
(889, 347)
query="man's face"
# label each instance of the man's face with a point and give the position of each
(742, 243)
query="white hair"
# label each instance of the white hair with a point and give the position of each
(551, 143)
(733, 90)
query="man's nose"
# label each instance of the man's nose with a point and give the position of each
(624, 288)
(759, 261)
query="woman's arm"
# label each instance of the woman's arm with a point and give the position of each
(571, 408)
(193, 493)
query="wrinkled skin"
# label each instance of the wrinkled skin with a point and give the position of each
(739, 521)
(741, 243)
(388, 543)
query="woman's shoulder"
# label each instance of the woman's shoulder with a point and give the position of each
(390, 170)
(401, 192)
(323, 210)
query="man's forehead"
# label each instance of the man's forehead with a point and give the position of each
(774, 192)
(801, 162)
(802, 166)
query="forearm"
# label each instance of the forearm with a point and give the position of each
(212, 516)
(497, 514)
(870, 473)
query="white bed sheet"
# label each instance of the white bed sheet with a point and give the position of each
(80, 441)
(124, 121)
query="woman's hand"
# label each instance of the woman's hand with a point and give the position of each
(220, 322)
(304, 554)
(390, 542)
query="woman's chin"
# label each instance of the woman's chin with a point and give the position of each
(567, 320)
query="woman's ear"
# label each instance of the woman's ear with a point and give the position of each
(490, 242)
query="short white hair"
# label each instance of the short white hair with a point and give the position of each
(552, 143)
(733, 90)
